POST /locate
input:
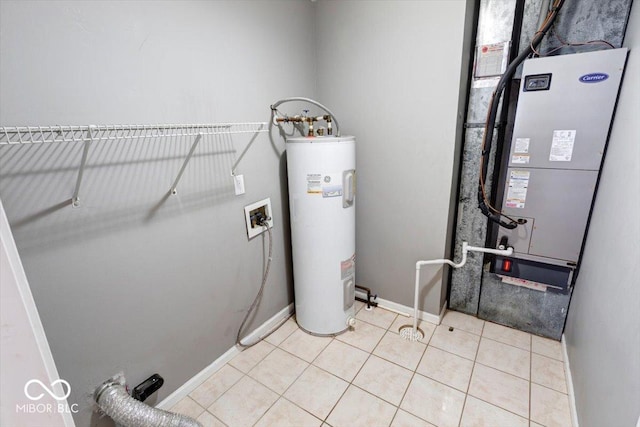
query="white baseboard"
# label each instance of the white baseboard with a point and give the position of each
(186, 388)
(405, 310)
(443, 311)
(569, 380)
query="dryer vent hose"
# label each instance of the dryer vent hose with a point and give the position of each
(114, 400)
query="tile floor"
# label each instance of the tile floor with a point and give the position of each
(465, 372)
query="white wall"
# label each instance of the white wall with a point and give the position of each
(25, 352)
(131, 281)
(391, 71)
(603, 324)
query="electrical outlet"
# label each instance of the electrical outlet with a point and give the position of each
(253, 212)
(238, 183)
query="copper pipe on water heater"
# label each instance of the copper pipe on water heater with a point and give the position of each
(309, 120)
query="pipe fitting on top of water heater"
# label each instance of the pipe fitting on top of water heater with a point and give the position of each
(310, 120)
(330, 118)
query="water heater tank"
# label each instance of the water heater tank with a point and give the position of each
(321, 172)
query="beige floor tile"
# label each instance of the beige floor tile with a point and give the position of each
(384, 379)
(547, 347)
(304, 345)
(188, 407)
(504, 357)
(244, 403)
(507, 335)
(316, 391)
(549, 407)
(463, 321)
(250, 357)
(208, 420)
(405, 419)
(477, 413)
(207, 392)
(532, 424)
(364, 336)
(403, 352)
(377, 316)
(285, 414)
(341, 359)
(447, 368)
(426, 327)
(433, 402)
(283, 332)
(500, 389)
(359, 408)
(548, 372)
(358, 305)
(278, 370)
(457, 341)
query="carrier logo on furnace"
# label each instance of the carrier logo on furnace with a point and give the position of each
(594, 77)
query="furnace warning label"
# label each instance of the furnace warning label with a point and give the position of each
(521, 159)
(562, 145)
(491, 59)
(517, 191)
(521, 146)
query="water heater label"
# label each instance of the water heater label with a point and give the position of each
(348, 267)
(332, 185)
(517, 191)
(562, 145)
(314, 183)
(325, 184)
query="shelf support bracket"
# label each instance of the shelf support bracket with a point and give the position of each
(173, 189)
(75, 199)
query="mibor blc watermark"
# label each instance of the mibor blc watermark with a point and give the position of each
(34, 391)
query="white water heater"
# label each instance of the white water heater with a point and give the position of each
(322, 190)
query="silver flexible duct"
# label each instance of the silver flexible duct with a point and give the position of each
(114, 400)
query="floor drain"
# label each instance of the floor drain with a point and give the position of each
(407, 332)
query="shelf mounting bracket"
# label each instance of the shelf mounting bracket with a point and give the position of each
(75, 199)
(173, 189)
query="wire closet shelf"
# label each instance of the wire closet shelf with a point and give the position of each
(88, 135)
(10, 135)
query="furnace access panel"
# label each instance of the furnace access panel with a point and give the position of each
(562, 123)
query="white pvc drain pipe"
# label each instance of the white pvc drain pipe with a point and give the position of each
(414, 333)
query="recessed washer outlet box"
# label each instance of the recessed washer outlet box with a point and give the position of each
(254, 211)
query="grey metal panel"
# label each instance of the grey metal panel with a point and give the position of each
(560, 201)
(520, 237)
(540, 313)
(569, 105)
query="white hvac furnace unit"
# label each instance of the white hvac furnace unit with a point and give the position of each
(562, 124)
(322, 185)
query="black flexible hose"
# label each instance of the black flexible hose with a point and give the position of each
(493, 113)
